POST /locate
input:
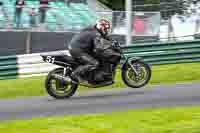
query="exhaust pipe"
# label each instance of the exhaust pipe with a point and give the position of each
(65, 79)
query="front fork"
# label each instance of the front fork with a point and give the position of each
(132, 67)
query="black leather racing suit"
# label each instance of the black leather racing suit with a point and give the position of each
(81, 48)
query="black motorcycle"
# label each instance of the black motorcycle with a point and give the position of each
(60, 84)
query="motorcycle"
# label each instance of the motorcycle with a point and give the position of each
(60, 84)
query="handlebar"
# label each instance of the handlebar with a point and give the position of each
(117, 45)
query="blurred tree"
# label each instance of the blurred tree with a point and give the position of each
(166, 7)
(170, 7)
(120, 4)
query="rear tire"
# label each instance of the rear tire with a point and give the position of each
(53, 91)
(127, 71)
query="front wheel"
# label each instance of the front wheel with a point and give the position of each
(57, 88)
(138, 80)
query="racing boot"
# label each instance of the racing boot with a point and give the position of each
(77, 74)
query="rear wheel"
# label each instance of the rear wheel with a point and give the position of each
(57, 88)
(141, 79)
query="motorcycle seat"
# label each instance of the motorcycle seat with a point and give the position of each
(68, 58)
(55, 54)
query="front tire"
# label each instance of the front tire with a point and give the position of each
(136, 81)
(61, 90)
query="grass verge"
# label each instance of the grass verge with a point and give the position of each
(162, 74)
(174, 120)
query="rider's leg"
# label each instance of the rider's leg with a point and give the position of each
(89, 63)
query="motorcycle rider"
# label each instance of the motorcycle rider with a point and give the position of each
(82, 47)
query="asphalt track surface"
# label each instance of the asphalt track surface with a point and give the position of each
(102, 101)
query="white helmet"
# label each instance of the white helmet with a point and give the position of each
(103, 26)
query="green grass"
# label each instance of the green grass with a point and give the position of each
(162, 74)
(174, 120)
